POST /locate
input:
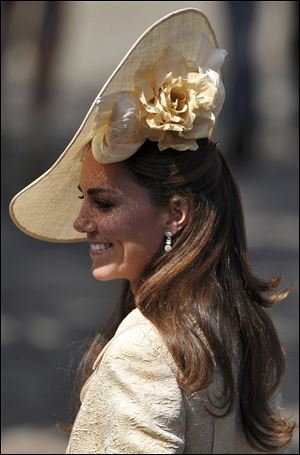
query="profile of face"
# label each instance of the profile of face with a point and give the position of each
(122, 225)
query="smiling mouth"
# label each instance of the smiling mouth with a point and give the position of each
(99, 248)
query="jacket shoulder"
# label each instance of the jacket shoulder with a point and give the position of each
(140, 343)
(132, 401)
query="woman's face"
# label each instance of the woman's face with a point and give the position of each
(123, 227)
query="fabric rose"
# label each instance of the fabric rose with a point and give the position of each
(179, 100)
(174, 101)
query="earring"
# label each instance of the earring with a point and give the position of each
(168, 246)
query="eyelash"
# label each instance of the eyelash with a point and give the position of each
(102, 204)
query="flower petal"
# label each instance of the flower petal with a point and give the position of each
(172, 140)
(201, 126)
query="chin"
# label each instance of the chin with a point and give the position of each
(99, 273)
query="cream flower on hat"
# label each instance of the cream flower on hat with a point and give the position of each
(181, 98)
(175, 101)
(178, 107)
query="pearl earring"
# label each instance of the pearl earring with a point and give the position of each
(168, 246)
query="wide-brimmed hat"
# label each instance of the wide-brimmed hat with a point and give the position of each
(167, 89)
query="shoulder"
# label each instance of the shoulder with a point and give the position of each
(138, 342)
(137, 368)
(138, 357)
(132, 400)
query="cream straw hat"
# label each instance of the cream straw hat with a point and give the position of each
(167, 89)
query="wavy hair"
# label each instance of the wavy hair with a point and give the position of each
(205, 286)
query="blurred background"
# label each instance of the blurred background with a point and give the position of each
(56, 55)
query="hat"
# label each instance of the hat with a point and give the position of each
(167, 89)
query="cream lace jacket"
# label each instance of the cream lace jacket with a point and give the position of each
(132, 403)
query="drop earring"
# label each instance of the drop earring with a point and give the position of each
(168, 246)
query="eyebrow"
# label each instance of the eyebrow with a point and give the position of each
(99, 189)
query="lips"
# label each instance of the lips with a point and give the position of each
(100, 246)
(97, 249)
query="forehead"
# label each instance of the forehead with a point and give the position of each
(111, 176)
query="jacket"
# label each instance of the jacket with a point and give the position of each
(132, 403)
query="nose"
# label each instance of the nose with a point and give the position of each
(83, 223)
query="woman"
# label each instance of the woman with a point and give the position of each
(195, 364)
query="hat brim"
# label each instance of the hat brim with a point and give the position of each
(47, 208)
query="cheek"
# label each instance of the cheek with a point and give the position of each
(141, 228)
(115, 225)
(134, 227)
(142, 231)
(110, 226)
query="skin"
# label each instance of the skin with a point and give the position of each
(135, 227)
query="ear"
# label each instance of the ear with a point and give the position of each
(178, 214)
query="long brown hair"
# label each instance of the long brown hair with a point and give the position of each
(205, 285)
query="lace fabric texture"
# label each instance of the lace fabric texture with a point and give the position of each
(132, 403)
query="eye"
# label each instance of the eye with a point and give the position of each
(103, 204)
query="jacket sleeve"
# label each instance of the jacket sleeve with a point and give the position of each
(134, 400)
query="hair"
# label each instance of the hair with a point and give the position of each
(203, 297)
